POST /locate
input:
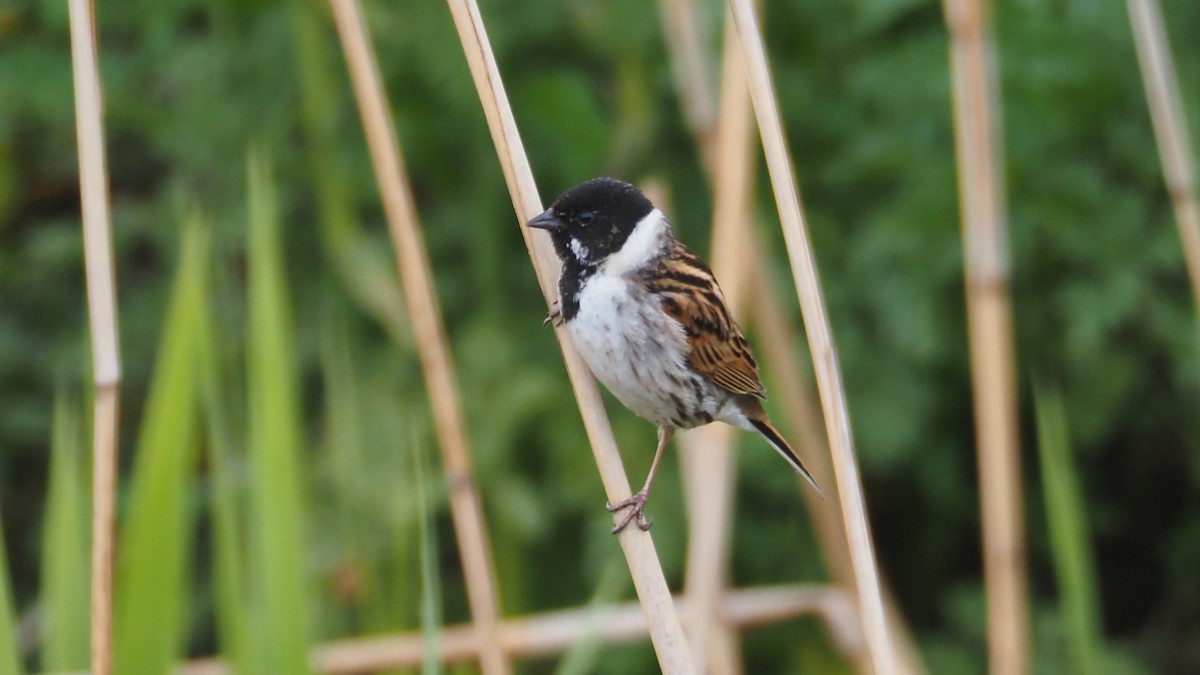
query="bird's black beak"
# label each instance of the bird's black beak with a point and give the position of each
(545, 221)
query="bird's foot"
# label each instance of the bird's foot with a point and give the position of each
(637, 510)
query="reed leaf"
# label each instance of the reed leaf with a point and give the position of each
(64, 590)
(152, 593)
(10, 663)
(431, 601)
(228, 551)
(584, 655)
(276, 516)
(1066, 517)
(344, 467)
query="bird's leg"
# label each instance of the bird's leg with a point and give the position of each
(637, 502)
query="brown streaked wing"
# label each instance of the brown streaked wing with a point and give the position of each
(691, 296)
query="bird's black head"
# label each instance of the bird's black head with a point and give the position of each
(592, 220)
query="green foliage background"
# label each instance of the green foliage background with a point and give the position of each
(1101, 301)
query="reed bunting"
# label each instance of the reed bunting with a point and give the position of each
(649, 319)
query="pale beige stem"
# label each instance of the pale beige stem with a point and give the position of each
(554, 632)
(428, 332)
(106, 417)
(708, 467)
(989, 323)
(685, 44)
(707, 455)
(816, 321)
(776, 339)
(707, 471)
(106, 364)
(638, 547)
(1170, 127)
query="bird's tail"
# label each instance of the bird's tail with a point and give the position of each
(768, 431)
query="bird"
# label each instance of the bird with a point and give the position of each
(649, 319)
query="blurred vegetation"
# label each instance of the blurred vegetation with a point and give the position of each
(294, 350)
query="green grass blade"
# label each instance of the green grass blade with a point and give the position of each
(233, 628)
(274, 441)
(583, 656)
(398, 604)
(345, 470)
(431, 601)
(152, 566)
(10, 664)
(1069, 541)
(64, 591)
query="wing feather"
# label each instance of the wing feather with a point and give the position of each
(717, 348)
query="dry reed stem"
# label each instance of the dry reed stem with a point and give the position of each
(1170, 127)
(778, 339)
(702, 475)
(106, 416)
(816, 321)
(706, 457)
(553, 632)
(989, 319)
(708, 452)
(707, 495)
(106, 364)
(638, 547)
(428, 332)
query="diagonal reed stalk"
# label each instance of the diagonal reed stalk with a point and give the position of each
(820, 339)
(705, 477)
(106, 364)
(989, 323)
(777, 338)
(638, 547)
(1170, 127)
(428, 332)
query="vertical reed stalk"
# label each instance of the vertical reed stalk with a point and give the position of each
(816, 321)
(1170, 127)
(709, 470)
(428, 332)
(106, 364)
(708, 452)
(989, 323)
(684, 42)
(777, 340)
(638, 547)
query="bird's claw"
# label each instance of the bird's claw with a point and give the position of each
(637, 510)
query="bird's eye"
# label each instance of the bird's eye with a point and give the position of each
(585, 217)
